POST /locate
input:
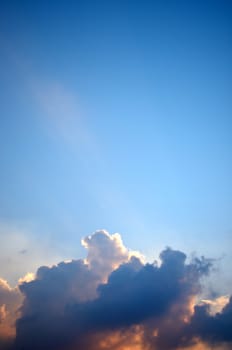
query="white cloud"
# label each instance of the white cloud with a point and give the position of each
(106, 252)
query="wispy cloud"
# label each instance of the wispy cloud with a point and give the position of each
(62, 112)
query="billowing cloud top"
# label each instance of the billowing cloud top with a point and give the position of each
(113, 300)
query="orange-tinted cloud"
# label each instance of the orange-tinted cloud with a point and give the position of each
(10, 300)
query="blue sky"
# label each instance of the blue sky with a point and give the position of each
(115, 115)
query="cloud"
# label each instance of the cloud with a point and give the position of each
(30, 276)
(217, 304)
(106, 252)
(114, 300)
(10, 299)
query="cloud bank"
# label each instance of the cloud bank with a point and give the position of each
(114, 300)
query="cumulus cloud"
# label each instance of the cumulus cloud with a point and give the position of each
(114, 300)
(106, 252)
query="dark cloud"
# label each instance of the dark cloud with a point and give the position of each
(112, 300)
(135, 293)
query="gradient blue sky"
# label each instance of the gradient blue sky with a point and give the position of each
(115, 115)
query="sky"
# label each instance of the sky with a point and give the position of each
(116, 116)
